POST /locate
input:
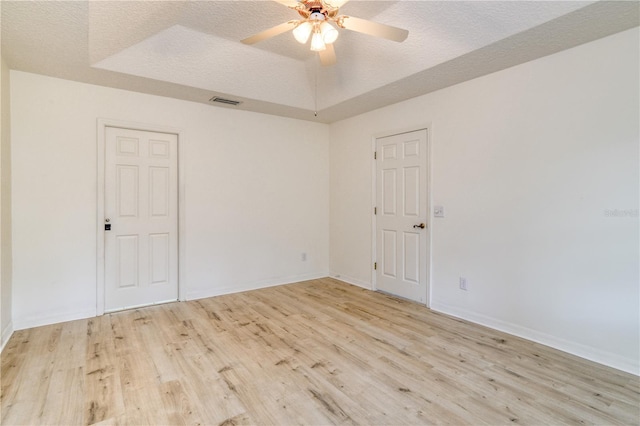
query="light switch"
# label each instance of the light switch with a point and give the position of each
(438, 211)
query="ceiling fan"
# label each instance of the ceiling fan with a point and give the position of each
(317, 17)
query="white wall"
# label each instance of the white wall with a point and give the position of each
(526, 162)
(256, 191)
(6, 325)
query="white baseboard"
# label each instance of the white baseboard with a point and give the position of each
(350, 280)
(7, 332)
(51, 318)
(219, 291)
(583, 351)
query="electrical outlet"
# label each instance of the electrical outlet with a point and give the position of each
(463, 284)
(303, 256)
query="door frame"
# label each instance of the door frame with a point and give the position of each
(374, 203)
(102, 124)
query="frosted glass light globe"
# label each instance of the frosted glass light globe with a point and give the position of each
(329, 34)
(302, 32)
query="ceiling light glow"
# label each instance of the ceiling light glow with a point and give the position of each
(302, 32)
(329, 33)
(317, 44)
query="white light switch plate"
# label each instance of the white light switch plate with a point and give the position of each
(438, 211)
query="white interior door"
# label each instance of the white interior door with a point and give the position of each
(402, 227)
(141, 210)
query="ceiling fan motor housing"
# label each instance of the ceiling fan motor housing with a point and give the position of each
(316, 10)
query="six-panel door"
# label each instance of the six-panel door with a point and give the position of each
(141, 209)
(401, 220)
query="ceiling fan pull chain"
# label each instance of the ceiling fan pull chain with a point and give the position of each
(315, 96)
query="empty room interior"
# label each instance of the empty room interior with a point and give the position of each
(320, 212)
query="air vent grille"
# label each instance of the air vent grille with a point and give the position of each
(220, 100)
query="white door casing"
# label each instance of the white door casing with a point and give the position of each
(141, 207)
(402, 209)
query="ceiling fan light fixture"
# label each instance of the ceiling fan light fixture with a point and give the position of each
(329, 33)
(317, 44)
(321, 20)
(302, 32)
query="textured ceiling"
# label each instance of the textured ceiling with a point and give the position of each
(191, 49)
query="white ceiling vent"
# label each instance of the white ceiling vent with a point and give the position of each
(224, 101)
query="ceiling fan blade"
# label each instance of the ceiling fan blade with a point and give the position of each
(271, 32)
(328, 56)
(374, 28)
(288, 3)
(335, 3)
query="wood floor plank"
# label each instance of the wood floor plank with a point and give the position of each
(103, 394)
(35, 377)
(315, 352)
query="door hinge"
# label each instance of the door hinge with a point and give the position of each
(375, 265)
(375, 155)
(375, 210)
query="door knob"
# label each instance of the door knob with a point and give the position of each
(421, 226)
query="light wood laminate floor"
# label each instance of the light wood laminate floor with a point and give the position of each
(316, 352)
